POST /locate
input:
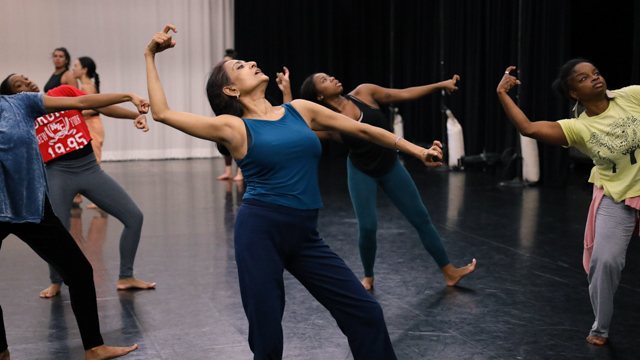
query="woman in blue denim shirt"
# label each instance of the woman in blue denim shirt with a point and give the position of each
(25, 210)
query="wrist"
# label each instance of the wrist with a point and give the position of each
(419, 151)
(148, 54)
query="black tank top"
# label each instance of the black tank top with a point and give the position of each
(54, 81)
(372, 159)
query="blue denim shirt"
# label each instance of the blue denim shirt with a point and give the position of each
(23, 181)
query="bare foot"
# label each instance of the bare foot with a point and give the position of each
(367, 282)
(596, 340)
(133, 283)
(104, 352)
(92, 206)
(454, 275)
(77, 199)
(4, 355)
(227, 174)
(51, 291)
(239, 176)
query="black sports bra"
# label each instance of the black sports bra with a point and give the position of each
(224, 151)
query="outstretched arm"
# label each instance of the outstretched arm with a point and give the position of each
(320, 118)
(53, 104)
(384, 96)
(114, 111)
(546, 131)
(224, 129)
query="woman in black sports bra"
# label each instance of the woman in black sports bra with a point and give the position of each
(371, 165)
(62, 75)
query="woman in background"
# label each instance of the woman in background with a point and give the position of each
(229, 54)
(84, 70)
(61, 76)
(371, 166)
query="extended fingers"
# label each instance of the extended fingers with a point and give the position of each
(169, 27)
(509, 69)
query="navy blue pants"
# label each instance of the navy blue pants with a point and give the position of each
(270, 238)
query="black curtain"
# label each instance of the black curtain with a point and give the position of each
(345, 39)
(351, 41)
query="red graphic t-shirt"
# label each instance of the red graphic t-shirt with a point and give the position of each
(62, 132)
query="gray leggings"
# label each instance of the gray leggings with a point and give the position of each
(614, 226)
(84, 176)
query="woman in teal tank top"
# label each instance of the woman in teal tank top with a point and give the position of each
(276, 225)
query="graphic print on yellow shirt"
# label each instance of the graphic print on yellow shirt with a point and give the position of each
(611, 140)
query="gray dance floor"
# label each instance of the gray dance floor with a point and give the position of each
(528, 298)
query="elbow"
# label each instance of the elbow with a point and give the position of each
(158, 116)
(527, 132)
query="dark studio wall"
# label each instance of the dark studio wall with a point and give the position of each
(351, 41)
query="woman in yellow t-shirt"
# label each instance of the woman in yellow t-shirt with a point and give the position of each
(608, 131)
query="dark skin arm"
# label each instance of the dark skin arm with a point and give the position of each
(375, 95)
(549, 132)
(53, 104)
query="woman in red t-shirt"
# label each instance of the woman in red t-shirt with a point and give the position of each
(64, 141)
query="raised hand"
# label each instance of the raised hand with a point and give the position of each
(450, 85)
(433, 156)
(141, 123)
(508, 81)
(283, 80)
(161, 41)
(140, 103)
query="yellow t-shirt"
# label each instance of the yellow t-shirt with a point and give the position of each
(611, 140)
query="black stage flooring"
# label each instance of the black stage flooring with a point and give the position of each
(528, 298)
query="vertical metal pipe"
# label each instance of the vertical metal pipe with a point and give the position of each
(392, 108)
(391, 41)
(519, 160)
(444, 139)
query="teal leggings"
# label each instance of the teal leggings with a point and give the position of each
(401, 190)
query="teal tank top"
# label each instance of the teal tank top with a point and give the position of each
(281, 166)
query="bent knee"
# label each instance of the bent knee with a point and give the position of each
(607, 264)
(135, 218)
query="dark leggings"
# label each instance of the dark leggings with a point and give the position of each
(53, 243)
(84, 176)
(270, 238)
(401, 190)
